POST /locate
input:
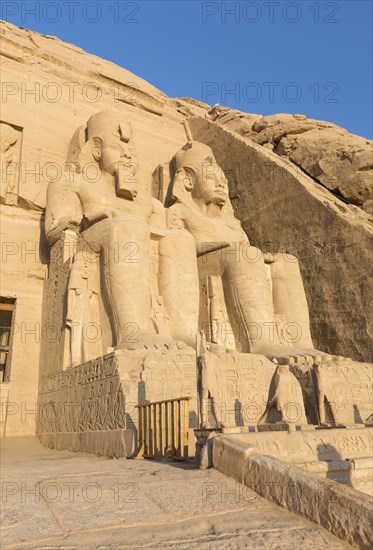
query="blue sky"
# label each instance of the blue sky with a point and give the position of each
(310, 57)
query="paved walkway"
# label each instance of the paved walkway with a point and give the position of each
(64, 500)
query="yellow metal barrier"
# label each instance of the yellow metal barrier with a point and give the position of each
(164, 428)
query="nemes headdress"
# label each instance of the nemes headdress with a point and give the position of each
(194, 155)
(105, 124)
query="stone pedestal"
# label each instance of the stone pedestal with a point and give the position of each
(93, 407)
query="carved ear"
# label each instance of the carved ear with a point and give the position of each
(96, 149)
(185, 179)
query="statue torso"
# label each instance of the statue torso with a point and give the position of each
(214, 228)
(99, 201)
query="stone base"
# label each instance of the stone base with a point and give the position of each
(88, 408)
(110, 443)
(343, 455)
(342, 510)
(284, 427)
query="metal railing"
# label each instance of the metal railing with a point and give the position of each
(164, 429)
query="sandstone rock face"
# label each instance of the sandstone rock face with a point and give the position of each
(50, 89)
(283, 210)
(340, 161)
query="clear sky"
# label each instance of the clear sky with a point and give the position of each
(264, 56)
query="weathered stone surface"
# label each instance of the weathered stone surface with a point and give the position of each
(93, 407)
(343, 455)
(340, 161)
(343, 511)
(59, 499)
(23, 267)
(283, 210)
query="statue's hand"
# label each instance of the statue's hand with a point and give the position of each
(55, 233)
(73, 223)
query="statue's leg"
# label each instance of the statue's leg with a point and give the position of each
(76, 335)
(178, 284)
(124, 243)
(289, 299)
(322, 408)
(92, 331)
(127, 274)
(249, 291)
(76, 342)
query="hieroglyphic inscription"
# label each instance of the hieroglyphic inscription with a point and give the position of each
(242, 382)
(347, 389)
(169, 376)
(87, 397)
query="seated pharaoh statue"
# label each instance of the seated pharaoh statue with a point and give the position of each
(114, 217)
(163, 273)
(249, 302)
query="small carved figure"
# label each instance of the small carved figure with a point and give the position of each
(285, 399)
(8, 165)
(209, 386)
(83, 309)
(326, 406)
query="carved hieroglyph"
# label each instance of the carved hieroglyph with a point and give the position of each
(103, 394)
(10, 150)
(233, 387)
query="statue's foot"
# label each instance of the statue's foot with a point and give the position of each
(150, 341)
(282, 354)
(219, 348)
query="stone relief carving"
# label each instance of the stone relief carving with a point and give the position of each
(10, 153)
(285, 400)
(327, 409)
(83, 315)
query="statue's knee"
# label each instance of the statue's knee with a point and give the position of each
(283, 265)
(244, 254)
(290, 259)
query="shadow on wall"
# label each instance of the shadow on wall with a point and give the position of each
(336, 464)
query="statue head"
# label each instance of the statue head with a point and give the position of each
(112, 148)
(196, 172)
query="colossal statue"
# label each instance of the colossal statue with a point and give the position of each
(114, 216)
(164, 276)
(207, 274)
(260, 299)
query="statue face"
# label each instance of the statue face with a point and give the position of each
(115, 153)
(212, 185)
